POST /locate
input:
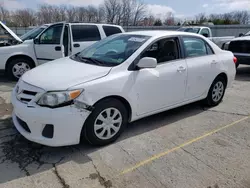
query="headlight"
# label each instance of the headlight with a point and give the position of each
(53, 99)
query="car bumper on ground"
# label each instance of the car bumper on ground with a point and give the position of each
(51, 127)
(243, 58)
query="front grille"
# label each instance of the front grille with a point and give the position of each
(23, 124)
(239, 46)
(26, 92)
(29, 92)
(26, 96)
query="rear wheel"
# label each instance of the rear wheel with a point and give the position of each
(17, 67)
(106, 123)
(216, 92)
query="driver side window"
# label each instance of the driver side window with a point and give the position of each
(163, 50)
(52, 35)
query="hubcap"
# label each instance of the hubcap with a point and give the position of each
(108, 123)
(217, 91)
(19, 69)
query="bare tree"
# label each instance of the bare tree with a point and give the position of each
(242, 17)
(101, 14)
(200, 18)
(71, 14)
(44, 14)
(4, 13)
(169, 19)
(24, 18)
(112, 8)
(139, 11)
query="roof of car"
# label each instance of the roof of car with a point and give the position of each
(156, 33)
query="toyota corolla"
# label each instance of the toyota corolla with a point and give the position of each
(95, 93)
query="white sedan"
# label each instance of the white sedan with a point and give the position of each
(95, 93)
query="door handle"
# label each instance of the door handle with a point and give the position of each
(76, 45)
(181, 69)
(58, 48)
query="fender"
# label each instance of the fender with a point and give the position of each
(24, 49)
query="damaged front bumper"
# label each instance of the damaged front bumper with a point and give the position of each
(51, 127)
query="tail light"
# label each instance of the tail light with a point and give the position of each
(235, 60)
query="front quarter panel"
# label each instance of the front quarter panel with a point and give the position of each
(7, 52)
(119, 84)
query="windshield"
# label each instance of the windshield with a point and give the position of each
(190, 30)
(112, 50)
(33, 33)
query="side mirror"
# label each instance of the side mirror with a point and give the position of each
(36, 41)
(147, 62)
(241, 34)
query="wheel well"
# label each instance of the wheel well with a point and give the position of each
(19, 56)
(123, 101)
(223, 75)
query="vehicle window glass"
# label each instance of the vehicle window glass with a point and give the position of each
(209, 50)
(117, 46)
(205, 32)
(194, 47)
(32, 34)
(163, 50)
(110, 30)
(52, 35)
(111, 51)
(189, 29)
(82, 33)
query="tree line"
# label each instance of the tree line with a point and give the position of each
(121, 12)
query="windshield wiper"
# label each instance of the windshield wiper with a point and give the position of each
(92, 60)
(95, 61)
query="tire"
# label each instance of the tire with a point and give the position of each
(94, 136)
(215, 96)
(23, 64)
(237, 65)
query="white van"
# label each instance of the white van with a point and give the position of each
(57, 40)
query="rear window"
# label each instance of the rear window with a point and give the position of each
(111, 30)
(83, 33)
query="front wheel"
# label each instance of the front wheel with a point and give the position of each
(216, 92)
(17, 67)
(106, 123)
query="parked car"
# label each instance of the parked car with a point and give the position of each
(240, 47)
(125, 77)
(56, 41)
(206, 32)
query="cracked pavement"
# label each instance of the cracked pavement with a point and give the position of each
(217, 161)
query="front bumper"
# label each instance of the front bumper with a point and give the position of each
(67, 122)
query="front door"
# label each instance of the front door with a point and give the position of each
(165, 85)
(49, 45)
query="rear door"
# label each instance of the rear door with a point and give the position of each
(202, 66)
(49, 44)
(83, 35)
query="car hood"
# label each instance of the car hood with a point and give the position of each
(10, 32)
(63, 73)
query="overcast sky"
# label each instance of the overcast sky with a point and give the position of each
(180, 8)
